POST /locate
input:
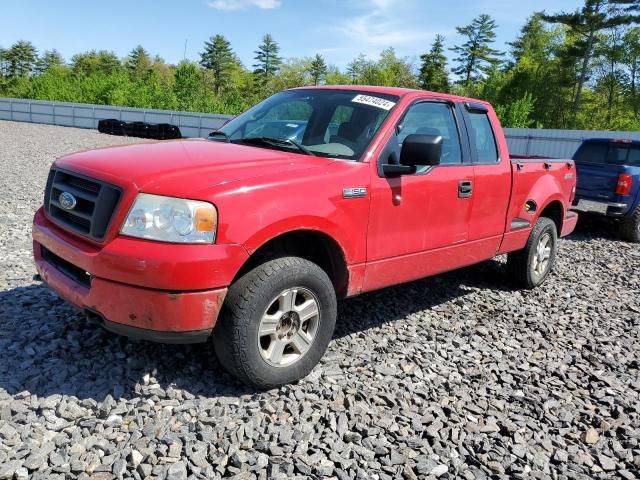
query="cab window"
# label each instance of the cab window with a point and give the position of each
(430, 118)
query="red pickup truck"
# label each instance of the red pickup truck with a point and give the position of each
(250, 236)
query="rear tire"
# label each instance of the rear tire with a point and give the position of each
(630, 227)
(530, 267)
(276, 322)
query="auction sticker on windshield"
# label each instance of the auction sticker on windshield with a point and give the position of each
(374, 102)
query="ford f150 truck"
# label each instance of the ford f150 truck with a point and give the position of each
(609, 182)
(251, 238)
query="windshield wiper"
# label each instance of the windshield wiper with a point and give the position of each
(278, 142)
(220, 134)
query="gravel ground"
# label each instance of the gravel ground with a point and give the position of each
(456, 376)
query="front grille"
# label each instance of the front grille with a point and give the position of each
(95, 203)
(70, 270)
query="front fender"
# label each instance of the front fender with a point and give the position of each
(300, 223)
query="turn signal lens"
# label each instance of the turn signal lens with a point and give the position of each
(205, 219)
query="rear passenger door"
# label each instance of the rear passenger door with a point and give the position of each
(492, 170)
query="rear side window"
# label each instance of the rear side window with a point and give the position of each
(634, 156)
(485, 140)
(617, 155)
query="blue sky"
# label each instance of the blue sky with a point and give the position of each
(338, 29)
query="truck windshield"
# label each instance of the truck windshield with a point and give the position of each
(327, 123)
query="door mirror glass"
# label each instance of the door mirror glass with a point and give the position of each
(419, 149)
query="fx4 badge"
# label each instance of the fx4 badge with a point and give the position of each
(354, 192)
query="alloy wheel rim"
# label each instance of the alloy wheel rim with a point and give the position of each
(542, 255)
(288, 327)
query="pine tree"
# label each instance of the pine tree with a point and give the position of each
(21, 58)
(219, 59)
(356, 68)
(433, 70)
(533, 41)
(318, 69)
(138, 63)
(50, 58)
(476, 58)
(4, 62)
(267, 60)
(587, 22)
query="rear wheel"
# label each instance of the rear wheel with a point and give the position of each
(276, 322)
(630, 227)
(530, 267)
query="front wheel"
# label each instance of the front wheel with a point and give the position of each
(530, 267)
(276, 322)
(630, 227)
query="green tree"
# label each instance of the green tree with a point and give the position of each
(93, 61)
(267, 60)
(219, 59)
(48, 59)
(609, 68)
(476, 57)
(535, 70)
(356, 68)
(188, 86)
(395, 71)
(4, 62)
(21, 58)
(318, 69)
(594, 17)
(433, 69)
(293, 72)
(336, 77)
(516, 114)
(138, 63)
(631, 60)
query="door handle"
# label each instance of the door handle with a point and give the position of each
(465, 189)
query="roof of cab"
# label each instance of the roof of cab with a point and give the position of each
(400, 92)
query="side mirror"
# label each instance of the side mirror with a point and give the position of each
(419, 150)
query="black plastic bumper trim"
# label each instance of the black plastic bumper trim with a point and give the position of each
(175, 338)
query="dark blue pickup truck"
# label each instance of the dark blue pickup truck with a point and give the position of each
(609, 182)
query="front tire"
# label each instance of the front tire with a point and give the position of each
(530, 267)
(630, 227)
(276, 322)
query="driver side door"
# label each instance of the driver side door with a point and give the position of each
(418, 222)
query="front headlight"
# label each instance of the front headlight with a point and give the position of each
(168, 219)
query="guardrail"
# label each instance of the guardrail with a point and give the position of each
(82, 115)
(522, 141)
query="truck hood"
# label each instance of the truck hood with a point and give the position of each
(181, 167)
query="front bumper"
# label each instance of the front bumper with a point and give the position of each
(170, 311)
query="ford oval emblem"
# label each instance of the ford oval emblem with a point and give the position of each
(67, 201)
